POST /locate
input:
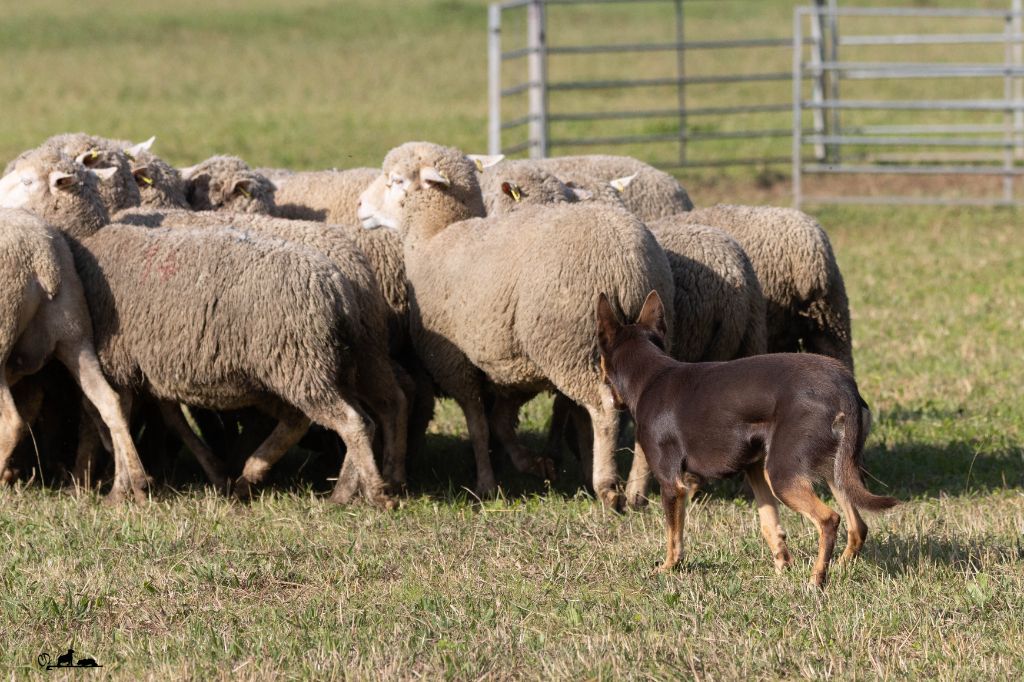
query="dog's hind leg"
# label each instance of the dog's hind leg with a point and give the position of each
(768, 511)
(797, 492)
(675, 497)
(856, 529)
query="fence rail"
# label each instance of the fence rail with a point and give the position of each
(538, 87)
(983, 149)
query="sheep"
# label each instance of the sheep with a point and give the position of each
(43, 314)
(219, 319)
(376, 376)
(719, 306)
(652, 193)
(160, 184)
(328, 195)
(227, 183)
(507, 302)
(96, 153)
(794, 262)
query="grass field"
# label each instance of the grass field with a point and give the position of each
(544, 582)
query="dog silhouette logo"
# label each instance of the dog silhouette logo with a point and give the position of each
(66, 660)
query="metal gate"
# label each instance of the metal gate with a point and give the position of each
(917, 130)
(549, 127)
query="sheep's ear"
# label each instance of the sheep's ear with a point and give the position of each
(137, 149)
(188, 172)
(104, 174)
(244, 186)
(430, 175)
(607, 324)
(62, 181)
(580, 194)
(620, 184)
(652, 315)
(90, 158)
(142, 176)
(512, 190)
(482, 161)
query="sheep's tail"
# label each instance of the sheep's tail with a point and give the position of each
(851, 426)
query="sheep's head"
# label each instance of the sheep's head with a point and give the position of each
(227, 183)
(58, 189)
(420, 173)
(516, 183)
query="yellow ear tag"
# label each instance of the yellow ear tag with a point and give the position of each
(245, 193)
(94, 154)
(479, 165)
(516, 194)
(146, 179)
(618, 185)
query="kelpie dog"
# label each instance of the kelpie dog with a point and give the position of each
(787, 420)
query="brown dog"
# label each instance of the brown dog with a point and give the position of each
(786, 420)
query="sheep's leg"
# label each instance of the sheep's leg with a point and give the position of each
(356, 430)
(560, 416)
(639, 479)
(476, 423)
(421, 410)
(212, 466)
(606, 426)
(291, 426)
(87, 454)
(129, 473)
(379, 388)
(504, 419)
(28, 398)
(11, 424)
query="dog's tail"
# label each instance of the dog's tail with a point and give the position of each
(847, 467)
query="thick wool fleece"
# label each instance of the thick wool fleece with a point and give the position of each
(516, 294)
(369, 310)
(220, 319)
(794, 262)
(533, 185)
(328, 196)
(227, 183)
(119, 192)
(652, 194)
(77, 211)
(719, 306)
(27, 259)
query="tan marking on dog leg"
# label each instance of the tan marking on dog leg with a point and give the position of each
(856, 529)
(798, 494)
(674, 506)
(768, 511)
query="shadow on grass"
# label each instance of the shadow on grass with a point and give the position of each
(899, 554)
(955, 468)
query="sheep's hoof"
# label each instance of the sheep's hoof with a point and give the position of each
(636, 501)
(8, 476)
(612, 499)
(115, 497)
(385, 502)
(486, 490)
(341, 496)
(547, 469)
(243, 489)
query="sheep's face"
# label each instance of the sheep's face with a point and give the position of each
(380, 204)
(27, 186)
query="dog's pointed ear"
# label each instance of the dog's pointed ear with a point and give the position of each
(607, 324)
(652, 315)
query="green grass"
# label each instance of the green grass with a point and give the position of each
(543, 583)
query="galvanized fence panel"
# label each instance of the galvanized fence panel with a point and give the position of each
(538, 88)
(975, 146)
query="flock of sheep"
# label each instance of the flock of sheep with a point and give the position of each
(170, 292)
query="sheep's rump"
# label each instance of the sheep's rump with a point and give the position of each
(215, 319)
(27, 258)
(538, 273)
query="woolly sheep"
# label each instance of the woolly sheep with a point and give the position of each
(43, 314)
(718, 304)
(328, 195)
(652, 194)
(803, 287)
(96, 153)
(160, 184)
(377, 384)
(227, 183)
(508, 302)
(219, 319)
(512, 184)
